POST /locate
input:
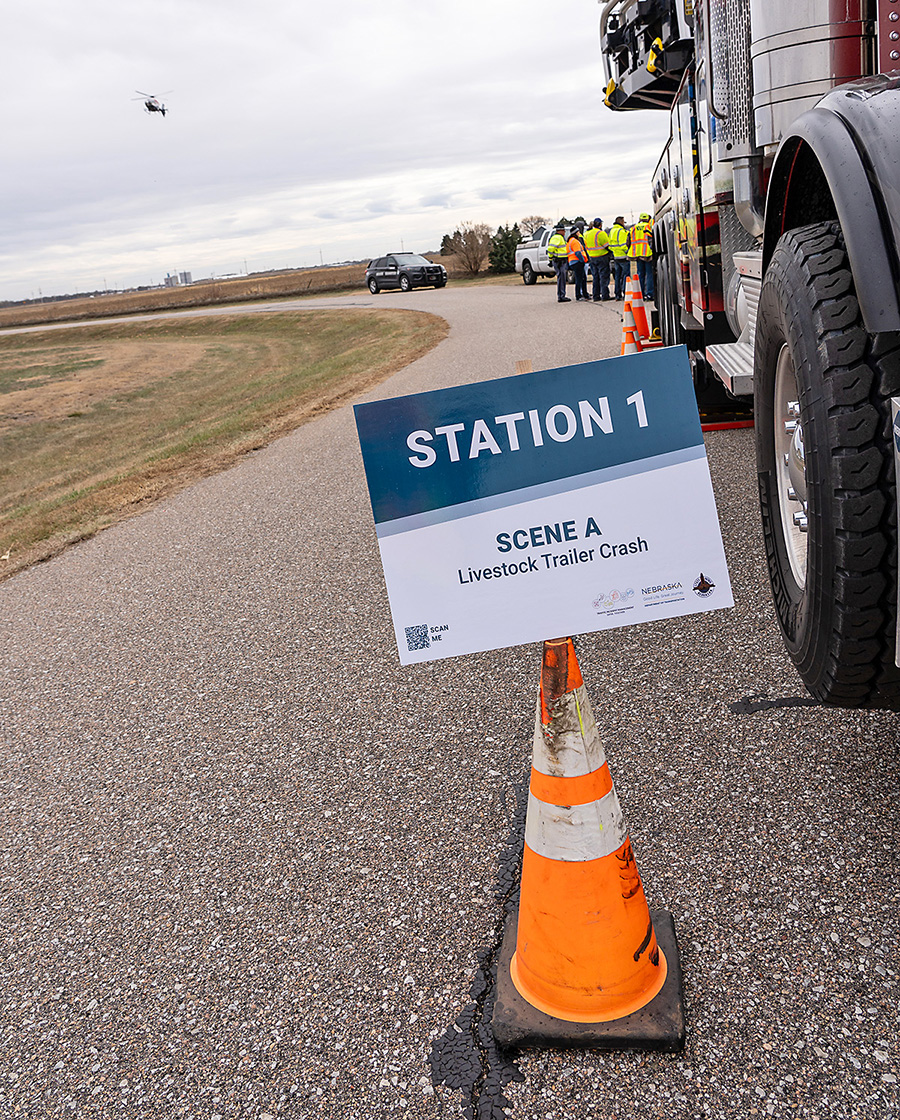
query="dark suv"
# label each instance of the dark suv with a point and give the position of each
(404, 271)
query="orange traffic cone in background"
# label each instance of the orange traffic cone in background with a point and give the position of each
(582, 964)
(627, 293)
(631, 339)
(638, 309)
(630, 342)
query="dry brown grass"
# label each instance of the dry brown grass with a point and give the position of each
(100, 422)
(278, 285)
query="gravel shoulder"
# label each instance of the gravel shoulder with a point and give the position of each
(252, 867)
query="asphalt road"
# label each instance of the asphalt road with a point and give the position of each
(251, 867)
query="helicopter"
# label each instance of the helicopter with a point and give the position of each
(151, 104)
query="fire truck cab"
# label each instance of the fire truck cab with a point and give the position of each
(777, 227)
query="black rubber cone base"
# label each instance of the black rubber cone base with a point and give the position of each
(658, 1026)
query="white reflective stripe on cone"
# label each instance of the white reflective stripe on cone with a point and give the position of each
(575, 833)
(575, 748)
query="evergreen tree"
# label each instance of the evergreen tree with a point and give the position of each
(502, 255)
(449, 243)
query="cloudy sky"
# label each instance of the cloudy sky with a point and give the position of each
(297, 132)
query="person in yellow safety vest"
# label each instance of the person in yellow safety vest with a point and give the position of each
(558, 255)
(618, 246)
(641, 252)
(596, 241)
(578, 258)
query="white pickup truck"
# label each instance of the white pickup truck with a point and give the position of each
(531, 256)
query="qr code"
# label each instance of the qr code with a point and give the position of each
(417, 638)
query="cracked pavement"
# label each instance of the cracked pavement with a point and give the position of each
(251, 867)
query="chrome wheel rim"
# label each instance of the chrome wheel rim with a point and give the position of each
(790, 466)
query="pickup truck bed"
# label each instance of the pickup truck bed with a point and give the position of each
(531, 257)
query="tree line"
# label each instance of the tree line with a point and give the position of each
(474, 245)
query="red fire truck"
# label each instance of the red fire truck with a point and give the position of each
(777, 258)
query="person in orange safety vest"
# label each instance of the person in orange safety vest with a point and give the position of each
(641, 252)
(578, 258)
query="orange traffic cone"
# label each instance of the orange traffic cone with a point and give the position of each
(631, 339)
(630, 342)
(638, 309)
(582, 964)
(628, 293)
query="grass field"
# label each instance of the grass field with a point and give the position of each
(276, 285)
(98, 422)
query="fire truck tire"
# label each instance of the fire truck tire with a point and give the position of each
(670, 327)
(825, 464)
(664, 305)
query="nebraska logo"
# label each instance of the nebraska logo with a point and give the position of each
(704, 587)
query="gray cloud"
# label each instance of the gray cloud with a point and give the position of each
(391, 121)
(435, 201)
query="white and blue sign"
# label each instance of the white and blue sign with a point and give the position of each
(543, 505)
